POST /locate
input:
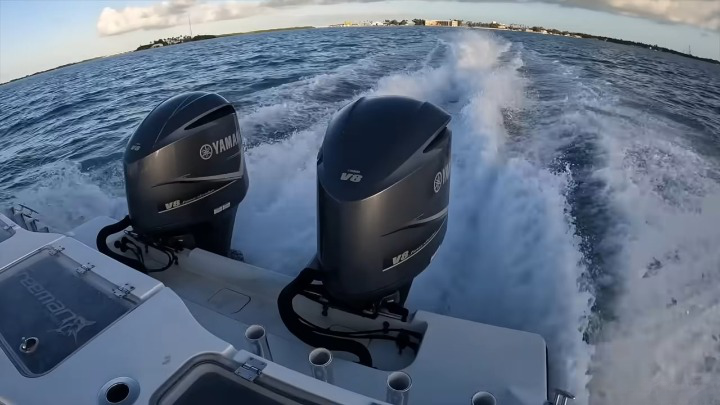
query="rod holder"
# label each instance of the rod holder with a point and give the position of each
(562, 397)
(483, 398)
(321, 364)
(257, 339)
(398, 388)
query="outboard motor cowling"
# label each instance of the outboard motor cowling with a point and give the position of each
(185, 172)
(383, 190)
(383, 176)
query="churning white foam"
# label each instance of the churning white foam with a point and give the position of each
(664, 347)
(275, 226)
(510, 256)
(65, 197)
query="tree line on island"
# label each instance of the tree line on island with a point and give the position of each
(416, 21)
(186, 38)
(174, 40)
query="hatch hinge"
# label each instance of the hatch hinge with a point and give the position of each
(123, 291)
(55, 250)
(251, 369)
(84, 268)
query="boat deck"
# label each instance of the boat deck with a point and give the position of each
(456, 358)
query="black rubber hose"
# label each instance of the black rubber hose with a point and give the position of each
(292, 322)
(101, 242)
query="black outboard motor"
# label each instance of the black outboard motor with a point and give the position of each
(185, 173)
(383, 190)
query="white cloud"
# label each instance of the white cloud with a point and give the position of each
(171, 14)
(699, 13)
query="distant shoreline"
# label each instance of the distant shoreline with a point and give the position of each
(161, 43)
(59, 67)
(208, 37)
(126, 52)
(616, 41)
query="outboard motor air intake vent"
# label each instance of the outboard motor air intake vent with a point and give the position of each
(383, 189)
(185, 172)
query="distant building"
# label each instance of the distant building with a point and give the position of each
(442, 23)
(156, 45)
(370, 23)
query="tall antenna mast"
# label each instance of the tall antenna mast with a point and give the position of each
(190, 25)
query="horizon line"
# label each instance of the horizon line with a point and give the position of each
(679, 53)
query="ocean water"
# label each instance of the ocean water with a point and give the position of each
(585, 197)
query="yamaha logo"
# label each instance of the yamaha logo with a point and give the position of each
(217, 147)
(206, 152)
(441, 178)
(437, 183)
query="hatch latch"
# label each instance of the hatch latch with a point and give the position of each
(251, 369)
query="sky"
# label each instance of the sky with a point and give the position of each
(37, 35)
